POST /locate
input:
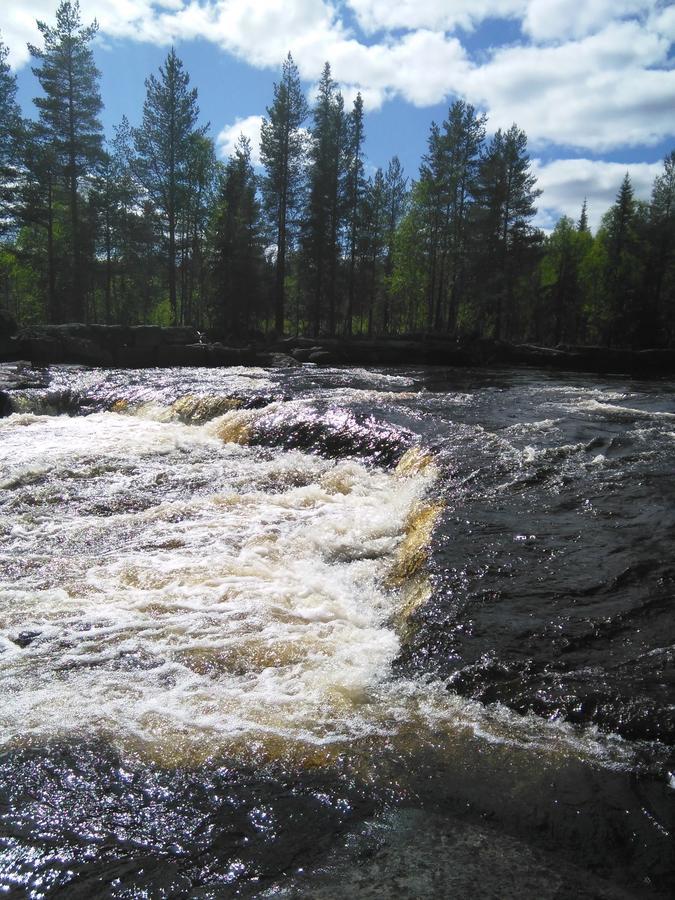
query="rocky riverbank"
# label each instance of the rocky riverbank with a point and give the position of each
(147, 346)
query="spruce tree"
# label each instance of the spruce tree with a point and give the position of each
(623, 264)
(164, 145)
(69, 116)
(658, 314)
(582, 224)
(282, 151)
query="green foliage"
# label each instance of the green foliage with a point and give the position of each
(154, 229)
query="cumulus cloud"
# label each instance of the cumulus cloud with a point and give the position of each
(556, 20)
(566, 182)
(385, 15)
(603, 91)
(594, 76)
(158, 22)
(229, 135)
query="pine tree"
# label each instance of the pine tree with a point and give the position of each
(68, 116)
(503, 236)
(163, 145)
(325, 205)
(11, 129)
(200, 190)
(41, 211)
(369, 250)
(464, 133)
(395, 184)
(236, 247)
(582, 224)
(354, 191)
(448, 174)
(282, 152)
(433, 194)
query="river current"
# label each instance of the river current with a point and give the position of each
(321, 632)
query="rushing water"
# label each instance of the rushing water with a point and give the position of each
(336, 633)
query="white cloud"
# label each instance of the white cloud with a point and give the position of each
(383, 15)
(603, 91)
(556, 20)
(229, 135)
(566, 182)
(140, 20)
(595, 75)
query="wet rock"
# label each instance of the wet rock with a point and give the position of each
(301, 354)
(146, 336)
(221, 355)
(86, 351)
(26, 638)
(5, 405)
(321, 357)
(277, 360)
(180, 334)
(287, 345)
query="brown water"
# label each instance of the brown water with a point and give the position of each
(336, 632)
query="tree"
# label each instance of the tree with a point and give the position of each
(620, 235)
(164, 145)
(396, 195)
(657, 314)
(370, 242)
(68, 115)
(11, 128)
(282, 152)
(325, 204)
(354, 191)
(503, 237)
(236, 247)
(410, 272)
(561, 275)
(447, 185)
(200, 191)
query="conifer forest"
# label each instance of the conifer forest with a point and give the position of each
(149, 227)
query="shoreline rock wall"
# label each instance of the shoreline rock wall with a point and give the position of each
(147, 346)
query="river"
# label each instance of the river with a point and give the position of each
(335, 632)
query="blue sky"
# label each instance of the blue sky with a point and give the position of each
(592, 85)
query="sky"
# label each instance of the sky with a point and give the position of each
(592, 82)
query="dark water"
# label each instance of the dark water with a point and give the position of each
(497, 722)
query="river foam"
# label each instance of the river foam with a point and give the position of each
(165, 585)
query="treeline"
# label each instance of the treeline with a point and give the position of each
(152, 228)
